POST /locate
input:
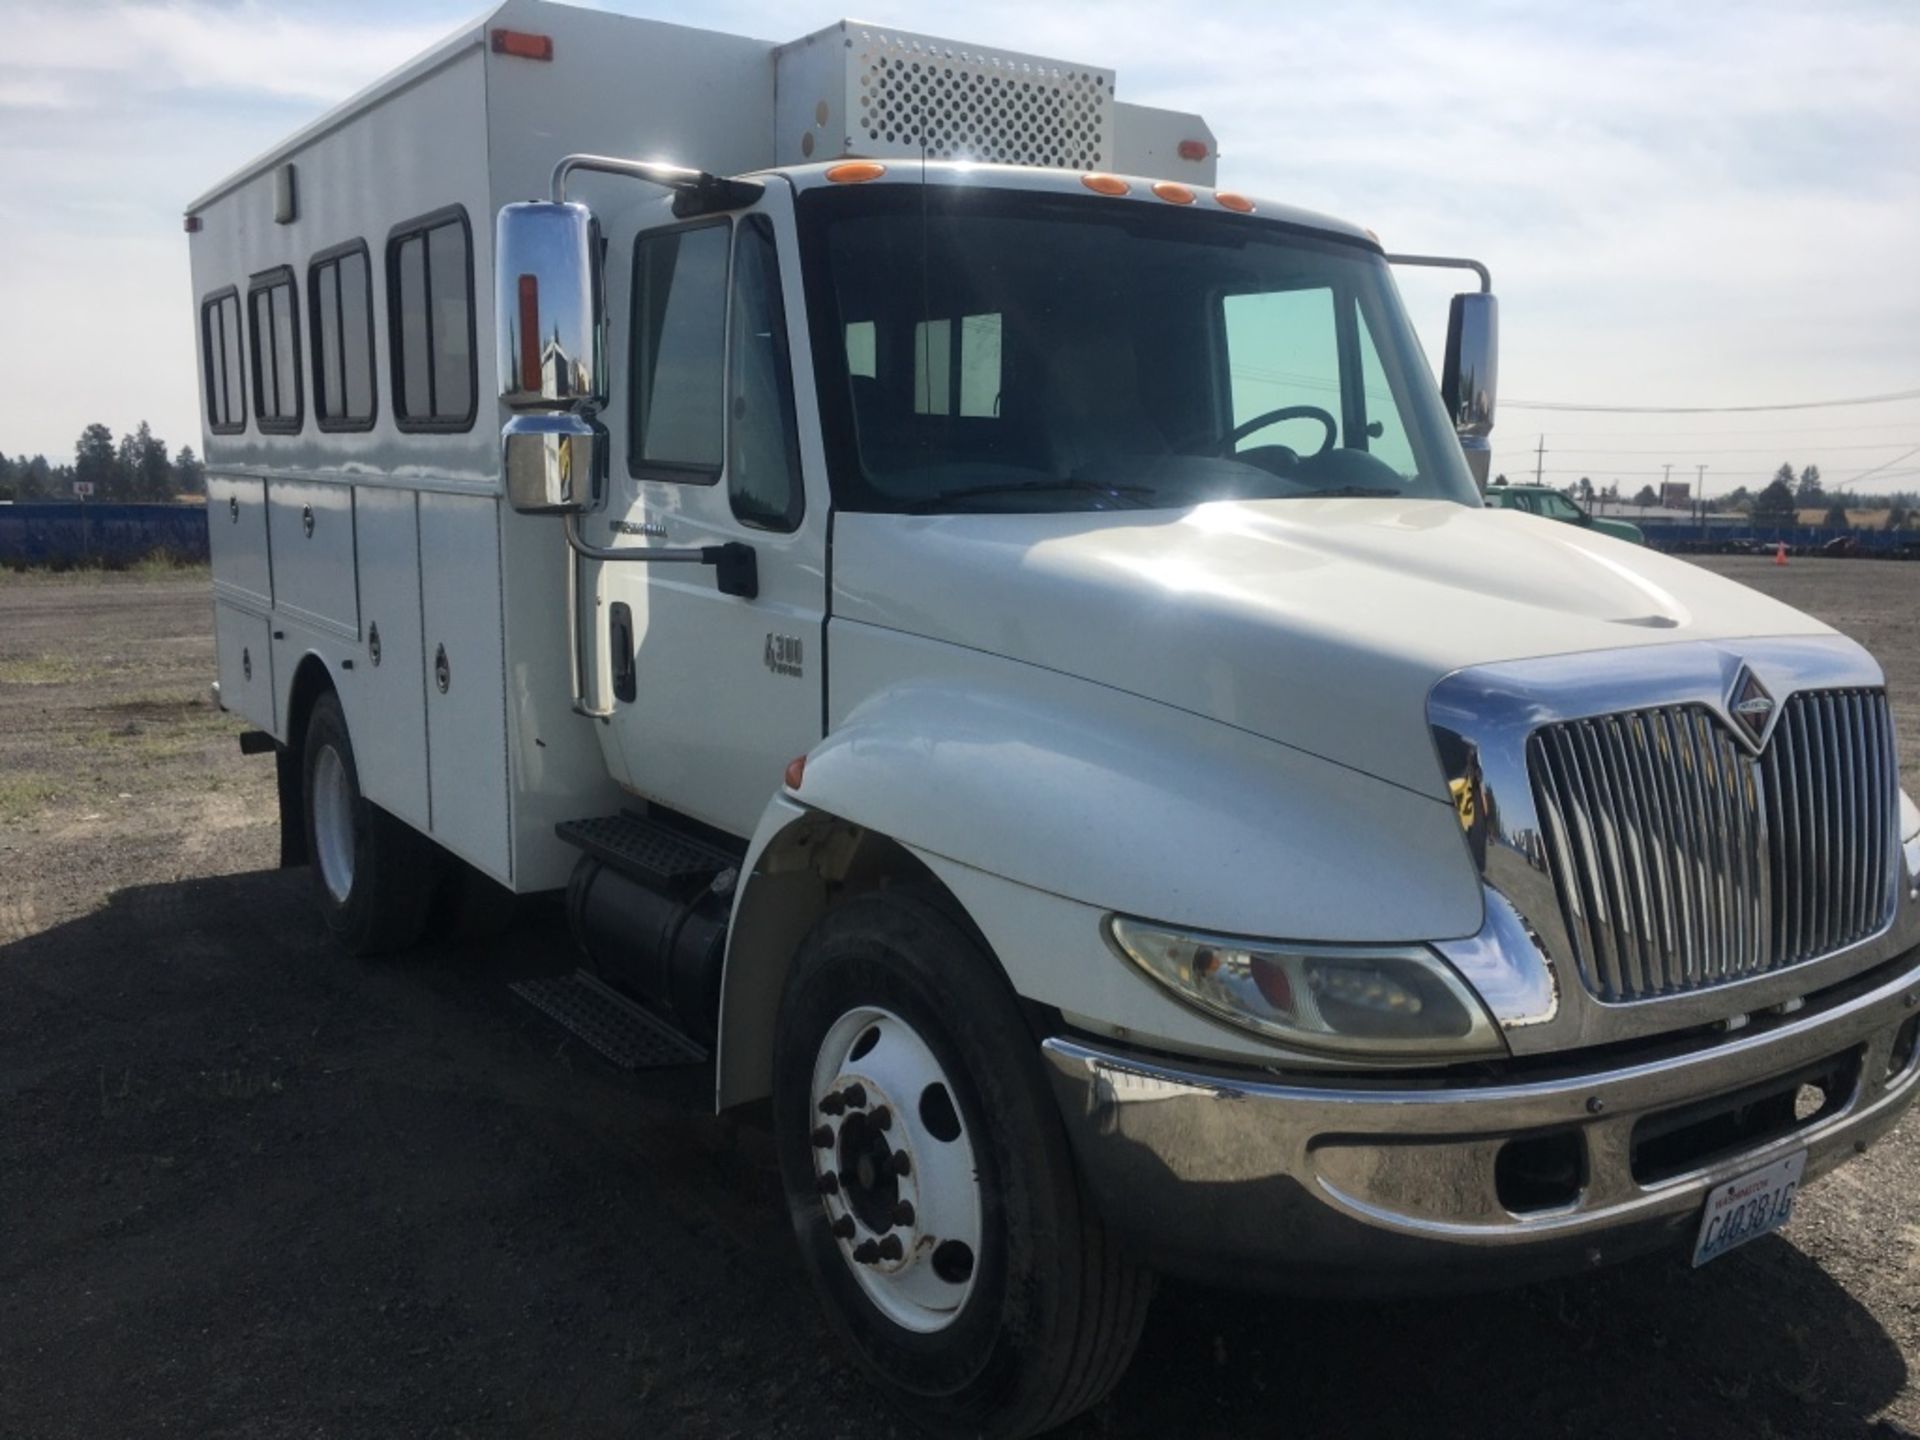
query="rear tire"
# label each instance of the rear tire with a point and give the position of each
(373, 875)
(1034, 1315)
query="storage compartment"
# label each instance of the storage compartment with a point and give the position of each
(310, 527)
(386, 698)
(467, 762)
(237, 535)
(245, 649)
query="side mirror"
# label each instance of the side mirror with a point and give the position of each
(1470, 376)
(547, 309)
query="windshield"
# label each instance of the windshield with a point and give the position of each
(1004, 350)
(1558, 507)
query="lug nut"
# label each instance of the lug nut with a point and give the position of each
(829, 1184)
(882, 1116)
(866, 1252)
(903, 1213)
(832, 1105)
(855, 1096)
(842, 1228)
(823, 1137)
(901, 1164)
(890, 1248)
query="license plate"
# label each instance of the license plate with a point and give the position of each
(1743, 1209)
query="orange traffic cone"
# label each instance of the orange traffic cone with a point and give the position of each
(1779, 552)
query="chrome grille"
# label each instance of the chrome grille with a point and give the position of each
(1682, 861)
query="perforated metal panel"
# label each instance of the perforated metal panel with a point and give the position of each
(857, 89)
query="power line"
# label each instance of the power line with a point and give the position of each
(1710, 409)
(1749, 434)
(1723, 449)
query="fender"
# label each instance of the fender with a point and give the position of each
(1128, 804)
(1075, 790)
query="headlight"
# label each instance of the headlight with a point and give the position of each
(1399, 1000)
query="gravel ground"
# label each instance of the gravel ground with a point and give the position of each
(251, 1188)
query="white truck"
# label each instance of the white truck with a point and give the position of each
(1001, 639)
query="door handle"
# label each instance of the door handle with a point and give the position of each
(620, 640)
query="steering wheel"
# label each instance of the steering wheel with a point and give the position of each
(1274, 417)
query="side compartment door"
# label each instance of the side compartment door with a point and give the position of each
(725, 690)
(462, 652)
(390, 691)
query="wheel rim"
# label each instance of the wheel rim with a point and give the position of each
(894, 1166)
(333, 823)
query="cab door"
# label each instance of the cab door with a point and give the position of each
(713, 693)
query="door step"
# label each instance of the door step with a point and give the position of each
(654, 854)
(627, 1034)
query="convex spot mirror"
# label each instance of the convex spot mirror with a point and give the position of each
(552, 463)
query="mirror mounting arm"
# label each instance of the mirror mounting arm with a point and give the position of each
(737, 571)
(1448, 262)
(695, 191)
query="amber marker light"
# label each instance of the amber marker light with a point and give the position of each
(522, 44)
(796, 771)
(855, 172)
(1193, 149)
(1229, 200)
(1173, 194)
(1103, 184)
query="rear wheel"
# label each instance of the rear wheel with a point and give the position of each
(930, 1182)
(373, 875)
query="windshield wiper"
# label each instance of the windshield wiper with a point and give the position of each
(1352, 492)
(1030, 487)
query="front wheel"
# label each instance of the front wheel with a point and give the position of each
(930, 1182)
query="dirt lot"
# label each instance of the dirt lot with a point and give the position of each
(250, 1188)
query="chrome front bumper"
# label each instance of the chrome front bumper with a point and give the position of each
(1388, 1186)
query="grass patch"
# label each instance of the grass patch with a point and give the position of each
(25, 793)
(151, 567)
(41, 670)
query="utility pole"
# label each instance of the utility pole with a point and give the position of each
(1540, 461)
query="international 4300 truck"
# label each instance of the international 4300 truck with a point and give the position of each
(1001, 639)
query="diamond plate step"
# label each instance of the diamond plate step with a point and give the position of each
(649, 852)
(630, 1036)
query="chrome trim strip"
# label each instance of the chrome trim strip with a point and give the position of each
(1485, 717)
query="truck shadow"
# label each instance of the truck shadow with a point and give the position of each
(248, 1177)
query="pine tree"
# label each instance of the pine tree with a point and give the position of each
(1775, 507)
(189, 475)
(1837, 517)
(95, 460)
(152, 475)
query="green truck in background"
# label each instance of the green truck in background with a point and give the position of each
(1546, 501)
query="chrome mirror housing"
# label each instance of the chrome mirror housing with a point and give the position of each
(552, 463)
(547, 307)
(1470, 376)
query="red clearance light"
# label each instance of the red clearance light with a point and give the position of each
(523, 44)
(1232, 201)
(1193, 149)
(193, 224)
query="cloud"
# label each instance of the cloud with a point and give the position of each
(74, 51)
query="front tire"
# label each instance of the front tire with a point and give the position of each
(374, 876)
(971, 1278)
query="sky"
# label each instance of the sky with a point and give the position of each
(1700, 204)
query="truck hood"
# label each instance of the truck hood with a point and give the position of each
(1320, 624)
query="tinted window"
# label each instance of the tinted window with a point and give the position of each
(679, 337)
(430, 299)
(996, 350)
(763, 459)
(220, 364)
(273, 326)
(339, 302)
